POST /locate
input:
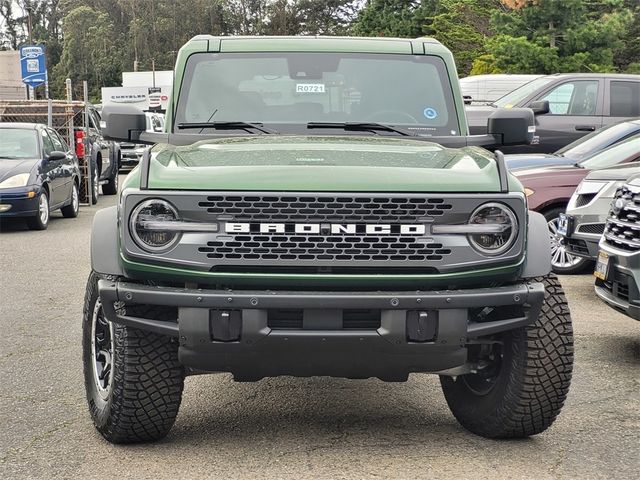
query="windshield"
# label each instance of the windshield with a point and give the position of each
(614, 155)
(514, 98)
(288, 89)
(596, 141)
(18, 143)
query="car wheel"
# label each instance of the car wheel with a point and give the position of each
(562, 261)
(133, 380)
(95, 184)
(71, 210)
(522, 376)
(40, 221)
(111, 188)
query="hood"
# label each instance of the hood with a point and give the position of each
(11, 167)
(619, 173)
(551, 177)
(319, 163)
(532, 160)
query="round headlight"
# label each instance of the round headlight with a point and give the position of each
(494, 216)
(146, 225)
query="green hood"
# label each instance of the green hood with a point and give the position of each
(317, 163)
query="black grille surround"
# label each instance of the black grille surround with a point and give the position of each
(622, 229)
(325, 251)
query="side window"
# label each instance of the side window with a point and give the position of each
(65, 147)
(573, 98)
(47, 142)
(57, 144)
(625, 99)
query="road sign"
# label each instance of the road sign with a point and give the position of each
(33, 65)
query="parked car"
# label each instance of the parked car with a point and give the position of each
(131, 153)
(549, 189)
(104, 155)
(618, 264)
(579, 150)
(39, 173)
(567, 107)
(583, 224)
(486, 89)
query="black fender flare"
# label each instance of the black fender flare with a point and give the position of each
(105, 254)
(538, 253)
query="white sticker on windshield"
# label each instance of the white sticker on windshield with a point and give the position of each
(310, 88)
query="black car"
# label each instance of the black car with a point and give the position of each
(39, 173)
(580, 150)
(567, 107)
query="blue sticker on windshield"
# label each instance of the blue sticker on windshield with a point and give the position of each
(430, 113)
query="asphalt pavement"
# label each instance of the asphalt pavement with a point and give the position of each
(285, 428)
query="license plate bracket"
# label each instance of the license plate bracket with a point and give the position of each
(602, 266)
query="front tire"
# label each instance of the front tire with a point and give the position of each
(525, 378)
(71, 210)
(40, 221)
(133, 379)
(562, 262)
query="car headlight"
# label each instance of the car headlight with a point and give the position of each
(19, 180)
(590, 188)
(500, 219)
(146, 225)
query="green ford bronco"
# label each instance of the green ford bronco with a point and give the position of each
(316, 206)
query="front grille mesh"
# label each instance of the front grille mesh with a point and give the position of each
(623, 224)
(592, 228)
(320, 208)
(325, 246)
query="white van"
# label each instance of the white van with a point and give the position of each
(484, 89)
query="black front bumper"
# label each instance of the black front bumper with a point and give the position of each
(390, 351)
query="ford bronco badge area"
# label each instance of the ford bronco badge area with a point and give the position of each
(317, 207)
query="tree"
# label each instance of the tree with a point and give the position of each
(393, 18)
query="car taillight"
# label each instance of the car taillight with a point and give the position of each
(80, 144)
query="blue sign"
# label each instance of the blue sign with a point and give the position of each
(33, 65)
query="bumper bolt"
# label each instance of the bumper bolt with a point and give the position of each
(516, 298)
(128, 296)
(254, 301)
(448, 299)
(229, 300)
(395, 302)
(199, 299)
(418, 300)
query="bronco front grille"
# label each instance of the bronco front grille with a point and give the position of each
(324, 208)
(623, 224)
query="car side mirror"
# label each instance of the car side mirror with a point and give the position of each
(56, 155)
(123, 123)
(540, 107)
(515, 126)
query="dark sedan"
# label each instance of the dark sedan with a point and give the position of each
(38, 174)
(580, 150)
(549, 189)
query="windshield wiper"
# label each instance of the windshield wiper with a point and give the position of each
(362, 127)
(228, 126)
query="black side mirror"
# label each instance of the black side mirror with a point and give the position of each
(514, 125)
(123, 123)
(56, 155)
(540, 107)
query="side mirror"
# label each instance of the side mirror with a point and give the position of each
(56, 155)
(540, 107)
(514, 125)
(123, 123)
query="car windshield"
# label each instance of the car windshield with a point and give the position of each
(614, 155)
(288, 89)
(597, 141)
(514, 98)
(16, 143)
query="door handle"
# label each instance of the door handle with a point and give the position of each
(585, 128)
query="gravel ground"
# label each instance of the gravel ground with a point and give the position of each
(285, 427)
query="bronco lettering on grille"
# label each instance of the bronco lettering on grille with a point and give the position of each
(332, 228)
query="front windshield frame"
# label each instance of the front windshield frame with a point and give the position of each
(35, 153)
(514, 98)
(298, 126)
(611, 156)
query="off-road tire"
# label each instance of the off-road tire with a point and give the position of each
(147, 379)
(533, 380)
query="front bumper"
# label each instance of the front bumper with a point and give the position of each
(578, 240)
(321, 345)
(16, 202)
(620, 289)
(129, 158)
